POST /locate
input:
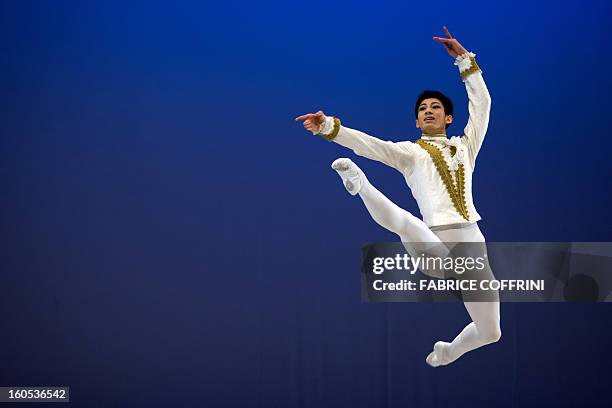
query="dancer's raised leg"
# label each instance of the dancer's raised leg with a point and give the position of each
(386, 213)
(416, 237)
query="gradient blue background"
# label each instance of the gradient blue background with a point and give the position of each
(171, 237)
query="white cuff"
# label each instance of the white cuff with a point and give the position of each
(463, 61)
(326, 127)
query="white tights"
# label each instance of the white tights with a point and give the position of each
(485, 326)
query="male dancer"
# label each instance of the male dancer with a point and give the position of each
(438, 171)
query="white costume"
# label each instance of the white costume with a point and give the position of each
(439, 173)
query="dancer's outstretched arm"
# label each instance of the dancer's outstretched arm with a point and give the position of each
(479, 105)
(396, 155)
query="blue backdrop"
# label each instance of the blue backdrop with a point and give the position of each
(171, 237)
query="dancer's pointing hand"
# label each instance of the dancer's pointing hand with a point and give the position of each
(312, 121)
(452, 46)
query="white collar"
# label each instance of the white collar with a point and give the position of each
(438, 137)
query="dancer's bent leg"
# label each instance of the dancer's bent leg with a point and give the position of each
(485, 326)
(483, 330)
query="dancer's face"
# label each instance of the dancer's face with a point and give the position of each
(431, 118)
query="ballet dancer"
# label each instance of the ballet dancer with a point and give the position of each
(438, 171)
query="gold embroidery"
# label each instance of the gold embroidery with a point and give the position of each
(472, 69)
(334, 132)
(456, 192)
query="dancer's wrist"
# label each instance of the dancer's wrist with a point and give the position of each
(329, 127)
(467, 64)
(325, 127)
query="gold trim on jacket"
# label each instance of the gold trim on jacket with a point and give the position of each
(456, 191)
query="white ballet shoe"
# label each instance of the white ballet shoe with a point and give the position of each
(439, 355)
(352, 176)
